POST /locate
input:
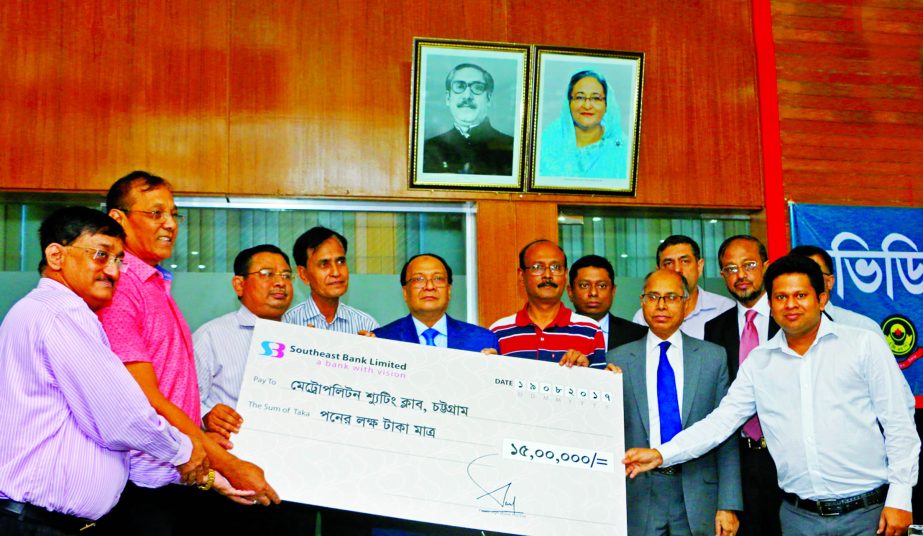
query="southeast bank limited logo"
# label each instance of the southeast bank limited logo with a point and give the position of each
(272, 349)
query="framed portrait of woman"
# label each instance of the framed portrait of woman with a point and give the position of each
(586, 120)
(468, 110)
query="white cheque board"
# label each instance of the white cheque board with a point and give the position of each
(435, 435)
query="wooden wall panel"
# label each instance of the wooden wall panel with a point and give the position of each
(851, 100)
(92, 90)
(504, 227)
(301, 98)
(320, 94)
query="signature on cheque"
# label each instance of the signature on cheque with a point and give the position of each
(492, 498)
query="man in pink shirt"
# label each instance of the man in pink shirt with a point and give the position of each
(148, 332)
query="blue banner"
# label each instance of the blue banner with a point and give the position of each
(879, 270)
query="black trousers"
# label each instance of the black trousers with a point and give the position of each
(176, 510)
(761, 493)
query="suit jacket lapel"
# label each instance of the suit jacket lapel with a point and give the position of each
(409, 330)
(691, 375)
(732, 332)
(637, 376)
(452, 331)
(773, 327)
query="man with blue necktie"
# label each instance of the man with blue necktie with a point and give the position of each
(427, 285)
(672, 380)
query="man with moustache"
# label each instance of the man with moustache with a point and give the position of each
(544, 329)
(592, 290)
(71, 412)
(472, 146)
(427, 285)
(836, 411)
(320, 257)
(742, 261)
(149, 334)
(682, 254)
(672, 380)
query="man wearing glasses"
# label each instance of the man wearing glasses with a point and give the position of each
(149, 334)
(544, 329)
(672, 380)
(742, 261)
(427, 283)
(682, 254)
(263, 284)
(472, 146)
(71, 413)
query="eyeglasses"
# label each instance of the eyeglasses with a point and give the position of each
(267, 274)
(539, 268)
(654, 298)
(158, 215)
(598, 285)
(459, 86)
(102, 258)
(733, 269)
(594, 99)
(419, 281)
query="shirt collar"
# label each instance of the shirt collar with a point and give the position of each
(562, 319)
(315, 311)
(245, 317)
(827, 329)
(144, 270)
(441, 326)
(57, 287)
(468, 131)
(704, 303)
(761, 307)
(676, 341)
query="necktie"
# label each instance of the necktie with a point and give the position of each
(667, 399)
(750, 339)
(430, 336)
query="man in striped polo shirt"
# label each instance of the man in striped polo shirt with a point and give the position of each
(544, 329)
(320, 256)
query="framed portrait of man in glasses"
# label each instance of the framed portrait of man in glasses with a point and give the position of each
(468, 115)
(587, 120)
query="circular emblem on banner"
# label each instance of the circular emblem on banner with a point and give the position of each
(901, 335)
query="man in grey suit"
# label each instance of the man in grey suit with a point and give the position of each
(660, 370)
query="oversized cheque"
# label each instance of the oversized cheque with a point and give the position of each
(432, 434)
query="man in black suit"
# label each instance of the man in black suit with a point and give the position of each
(472, 146)
(742, 260)
(592, 290)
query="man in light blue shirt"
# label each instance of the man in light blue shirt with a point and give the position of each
(320, 256)
(682, 254)
(836, 412)
(263, 284)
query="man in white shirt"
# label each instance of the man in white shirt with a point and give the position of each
(837, 314)
(835, 409)
(682, 254)
(263, 284)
